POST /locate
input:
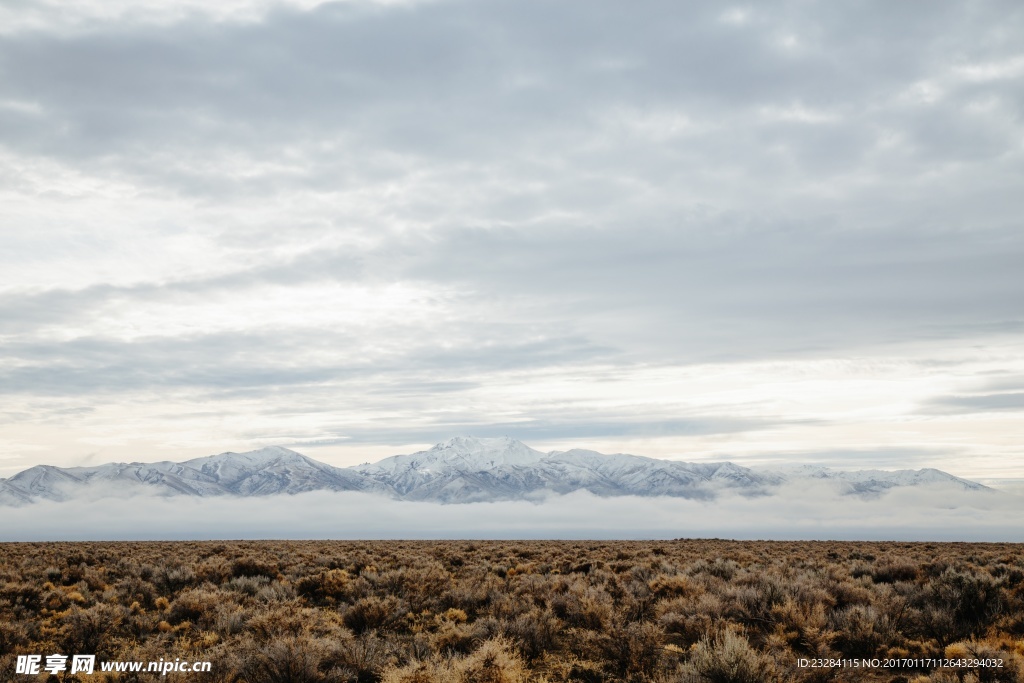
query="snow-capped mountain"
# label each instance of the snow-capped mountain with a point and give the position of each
(868, 482)
(275, 470)
(266, 471)
(459, 470)
(465, 470)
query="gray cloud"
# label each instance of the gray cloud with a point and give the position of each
(507, 117)
(630, 186)
(25, 312)
(779, 289)
(687, 295)
(565, 424)
(1002, 383)
(980, 403)
(226, 365)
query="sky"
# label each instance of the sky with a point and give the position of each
(765, 233)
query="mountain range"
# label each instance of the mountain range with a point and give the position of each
(460, 470)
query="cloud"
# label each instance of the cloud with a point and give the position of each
(516, 166)
(809, 512)
(581, 425)
(350, 220)
(979, 403)
(224, 363)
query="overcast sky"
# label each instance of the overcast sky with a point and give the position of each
(786, 231)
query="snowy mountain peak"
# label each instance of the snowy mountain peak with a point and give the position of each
(262, 458)
(266, 454)
(501, 450)
(461, 453)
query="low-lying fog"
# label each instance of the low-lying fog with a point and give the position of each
(937, 513)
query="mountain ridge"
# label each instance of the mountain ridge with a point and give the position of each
(459, 470)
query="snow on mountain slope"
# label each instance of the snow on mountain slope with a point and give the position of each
(275, 470)
(462, 453)
(11, 496)
(263, 472)
(867, 482)
(43, 481)
(466, 469)
(460, 470)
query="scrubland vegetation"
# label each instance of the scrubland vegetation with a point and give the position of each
(505, 612)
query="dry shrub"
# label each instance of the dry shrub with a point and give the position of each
(755, 599)
(454, 638)
(534, 633)
(278, 622)
(721, 568)
(195, 605)
(845, 592)
(686, 620)
(327, 588)
(891, 571)
(586, 608)
(632, 650)
(170, 580)
(671, 586)
(860, 631)
(728, 658)
(12, 636)
(251, 566)
(422, 587)
(230, 620)
(472, 596)
(134, 589)
(375, 614)
(365, 658)
(292, 660)
(87, 631)
(495, 661)
(959, 604)
(214, 569)
(21, 598)
(1012, 670)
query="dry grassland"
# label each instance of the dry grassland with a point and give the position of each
(504, 612)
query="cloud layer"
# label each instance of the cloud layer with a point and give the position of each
(699, 232)
(806, 512)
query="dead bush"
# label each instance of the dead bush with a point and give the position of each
(891, 571)
(860, 631)
(960, 604)
(196, 605)
(250, 566)
(632, 650)
(728, 658)
(534, 633)
(170, 580)
(374, 614)
(495, 661)
(291, 660)
(1011, 671)
(327, 588)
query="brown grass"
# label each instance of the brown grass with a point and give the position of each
(510, 612)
